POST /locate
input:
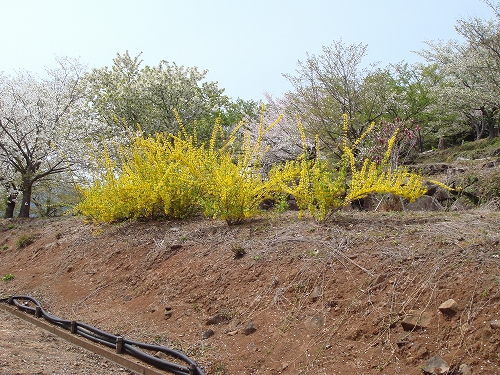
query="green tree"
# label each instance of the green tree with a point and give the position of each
(410, 87)
(413, 96)
(128, 95)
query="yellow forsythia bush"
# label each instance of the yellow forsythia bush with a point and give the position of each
(315, 186)
(232, 185)
(150, 182)
(172, 176)
(321, 188)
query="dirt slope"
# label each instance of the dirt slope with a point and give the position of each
(305, 298)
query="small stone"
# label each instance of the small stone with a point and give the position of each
(208, 333)
(495, 324)
(416, 320)
(436, 365)
(232, 333)
(153, 309)
(69, 269)
(168, 312)
(249, 329)
(175, 245)
(317, 293)
(449, 307)
(465, 369)
(401, 343)
(315, 322)
(216, 319)
(487, 335)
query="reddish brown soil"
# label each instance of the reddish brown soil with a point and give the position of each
(25, 349)
(325, 298)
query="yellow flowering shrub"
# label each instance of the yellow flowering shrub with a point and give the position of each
(314, 185)
(150, 182)
(382, 178)
(230, 192)
(233, 187)
(173, 176)
(321, 189)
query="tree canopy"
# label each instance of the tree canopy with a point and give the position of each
(128, 95)
(42, 126)
(471, 71)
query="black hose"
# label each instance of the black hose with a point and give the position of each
(157, 362)
(110, 340)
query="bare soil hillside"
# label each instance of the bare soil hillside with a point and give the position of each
(276, 295)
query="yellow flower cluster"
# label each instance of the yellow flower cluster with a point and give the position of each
(322, 189)
(173, 176)
(151, 181)
(381, 178)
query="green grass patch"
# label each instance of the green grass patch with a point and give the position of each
(25, 240)
(8, 277)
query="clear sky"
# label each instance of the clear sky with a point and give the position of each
(245, 45)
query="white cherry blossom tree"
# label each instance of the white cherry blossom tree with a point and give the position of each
(43, 127)
(472, 72)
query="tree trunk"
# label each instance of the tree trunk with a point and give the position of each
(489, 118)
(479, 125)
(441, 144)
(419, 144)
(9, 210)
(492, 131)
(26, 202)
(11, 200)
(491, 128)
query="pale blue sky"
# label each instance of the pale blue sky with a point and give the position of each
(245, 45)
